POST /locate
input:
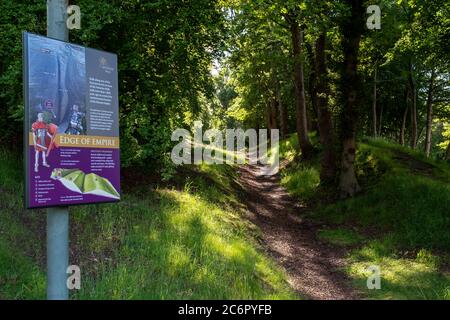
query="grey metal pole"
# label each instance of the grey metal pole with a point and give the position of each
(57, 253)
(57, 218)
(56, 19)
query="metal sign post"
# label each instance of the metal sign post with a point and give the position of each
(65, 81)
(57, 218)
(57, 253)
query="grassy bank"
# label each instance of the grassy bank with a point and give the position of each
(400, 222)
(188, 242)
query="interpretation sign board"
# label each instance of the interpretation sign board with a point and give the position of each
(71, 127)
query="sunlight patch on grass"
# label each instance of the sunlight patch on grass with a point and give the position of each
(193, 255)
(288, 148)
(302, 182)
(401, 278)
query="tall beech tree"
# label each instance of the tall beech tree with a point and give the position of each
(300, 97)
(326, 132)
(429, 105)
(352, 30)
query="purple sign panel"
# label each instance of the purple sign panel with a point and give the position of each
(72, 151)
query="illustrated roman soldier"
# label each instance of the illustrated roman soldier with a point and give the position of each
(76, 122)
(43, 140)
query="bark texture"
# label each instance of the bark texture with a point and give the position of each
(404, 119)
(326, 132)
(413, 101)
(374, 103)
(429, 124)
(300, 100)
(352, 30)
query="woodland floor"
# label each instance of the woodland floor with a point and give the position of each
(313, 267)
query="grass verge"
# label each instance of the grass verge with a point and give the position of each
(399, 223)
(163, 243)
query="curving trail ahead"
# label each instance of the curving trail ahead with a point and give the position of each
(312, 266)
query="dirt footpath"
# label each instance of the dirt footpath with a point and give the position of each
(312, 266)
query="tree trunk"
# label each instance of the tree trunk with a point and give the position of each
(300, 101)
(271, 114)
(313, 91)
(314, 126)
(413, 99)
(327, 138)
(405, 117)
(429, 125)
(380, 121)
(352, 30)
(282, 109)
(374, 104)
(274, 113)
(268, 124)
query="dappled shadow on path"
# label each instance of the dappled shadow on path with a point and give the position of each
(313, 267)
